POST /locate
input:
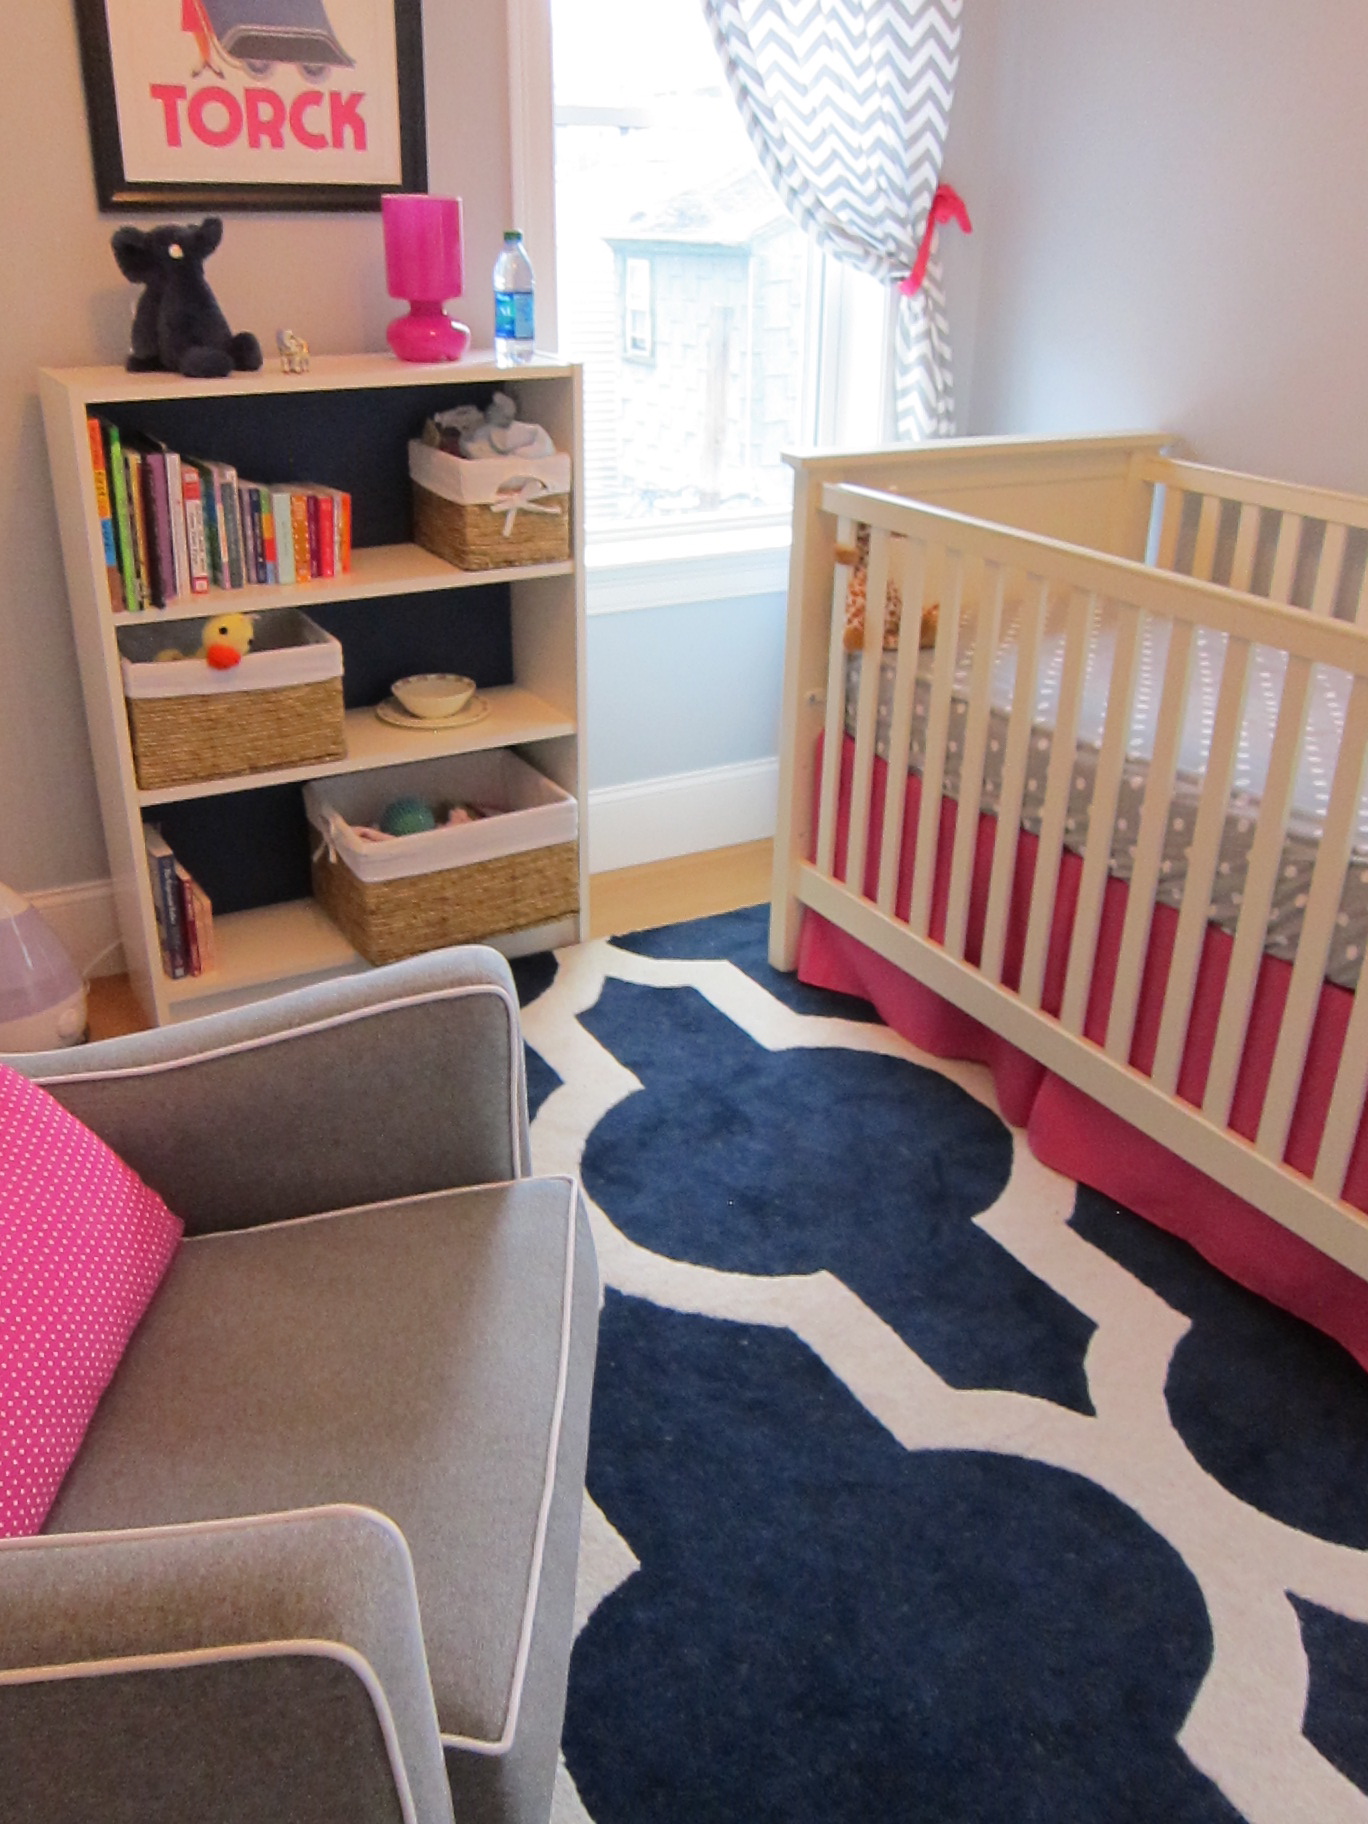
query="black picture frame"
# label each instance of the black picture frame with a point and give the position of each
(117, 194)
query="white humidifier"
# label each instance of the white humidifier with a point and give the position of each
(42, 996)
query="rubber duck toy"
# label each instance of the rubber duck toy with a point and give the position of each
(225, 640)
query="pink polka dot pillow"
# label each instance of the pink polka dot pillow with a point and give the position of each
(83, 1246)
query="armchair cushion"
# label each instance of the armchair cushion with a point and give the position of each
(84, 1244)
(414, 1358)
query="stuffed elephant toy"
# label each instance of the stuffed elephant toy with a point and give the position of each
(178, 325)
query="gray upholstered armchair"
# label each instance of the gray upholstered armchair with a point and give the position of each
(316, 1557)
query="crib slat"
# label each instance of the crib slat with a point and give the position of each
(1264, 860)
(975, 743)
(1016, 758)
(1346, 1104)
(1101, 820)
(937, 726)
(1195, 908)
(1328, 569)
(1171, 525)
(1318, 927)
(867, 708)
(1063, 758)
(907, 564)
(1208, 525)
(833, 735)
(1285, 561)
(1246, 545)
(1149, 843)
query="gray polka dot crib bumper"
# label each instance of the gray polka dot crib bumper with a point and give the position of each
(1328, 698)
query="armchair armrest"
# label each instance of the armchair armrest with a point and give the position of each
(251, 1669)
(404, 1080)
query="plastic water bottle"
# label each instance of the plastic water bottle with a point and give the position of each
(514, 337)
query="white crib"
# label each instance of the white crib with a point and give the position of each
(1194, 596)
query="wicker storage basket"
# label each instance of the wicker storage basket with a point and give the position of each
(488, 514)
(280, 706)
(515, 868)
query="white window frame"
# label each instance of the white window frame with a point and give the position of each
(849, 358)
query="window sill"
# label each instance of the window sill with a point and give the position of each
(673, 569)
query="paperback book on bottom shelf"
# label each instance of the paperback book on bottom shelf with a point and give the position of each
(185, 917)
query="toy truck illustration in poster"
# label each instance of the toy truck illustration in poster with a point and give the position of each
(259, 34)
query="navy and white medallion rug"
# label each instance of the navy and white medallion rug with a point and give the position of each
(923, 1484)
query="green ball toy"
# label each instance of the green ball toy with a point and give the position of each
(407, 817)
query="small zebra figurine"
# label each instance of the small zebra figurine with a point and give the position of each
(294, 352)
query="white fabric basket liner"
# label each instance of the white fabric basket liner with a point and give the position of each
(288, 648)
(498, 481)
(537, 813)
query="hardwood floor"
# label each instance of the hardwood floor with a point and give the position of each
(632, 899)
(687, 886)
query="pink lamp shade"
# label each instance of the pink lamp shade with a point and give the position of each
(423, 263)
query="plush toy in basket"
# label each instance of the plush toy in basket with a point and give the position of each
(398, 872)
(490, 490)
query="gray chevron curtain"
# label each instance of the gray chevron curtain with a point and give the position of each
(847, 104)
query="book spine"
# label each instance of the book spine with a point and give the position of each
(335, 502)
(269, 548)
(196, 545)
(346, 534)
(214, 529)
(175, 920)
(283, 519)
(204, 928)
(104, 507)
(299, 532)
(244, 507)
(180, 551)
(157, 507)
(263, 574)
(327, 519)
(123, 525)
(232, 527)
(314, 560)
(189, 923)
(137, 514)
(166, 902)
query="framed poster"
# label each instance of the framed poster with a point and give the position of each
(253, 104)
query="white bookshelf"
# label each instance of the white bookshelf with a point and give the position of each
(283, 943)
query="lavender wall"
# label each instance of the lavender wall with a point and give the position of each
(1172, 226)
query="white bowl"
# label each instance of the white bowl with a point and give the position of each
(434, 694)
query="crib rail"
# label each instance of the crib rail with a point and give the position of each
(1045, 992)
(1307, 547)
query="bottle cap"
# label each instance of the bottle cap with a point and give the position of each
(512, 234)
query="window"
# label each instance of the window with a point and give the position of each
(636, 292)
(710, 328)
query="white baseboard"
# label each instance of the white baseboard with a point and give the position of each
(83, 919)
(682, 814)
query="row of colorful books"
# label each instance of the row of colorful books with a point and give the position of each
(175, 526)
(185, 918)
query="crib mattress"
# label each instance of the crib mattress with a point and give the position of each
(1325, 720)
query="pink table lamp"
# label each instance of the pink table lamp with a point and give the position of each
(423, 263)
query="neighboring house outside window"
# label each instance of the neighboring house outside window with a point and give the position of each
(702, 314)
(638, 339)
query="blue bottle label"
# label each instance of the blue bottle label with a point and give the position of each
(513, 316)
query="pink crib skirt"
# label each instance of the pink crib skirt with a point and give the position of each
(1078, 1136)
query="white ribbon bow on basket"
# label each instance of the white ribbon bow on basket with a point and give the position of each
(521, 493)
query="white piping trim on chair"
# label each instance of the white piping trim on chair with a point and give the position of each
(505, 1741)
(264, 1649)
(284, 1034)
(358, 1209)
